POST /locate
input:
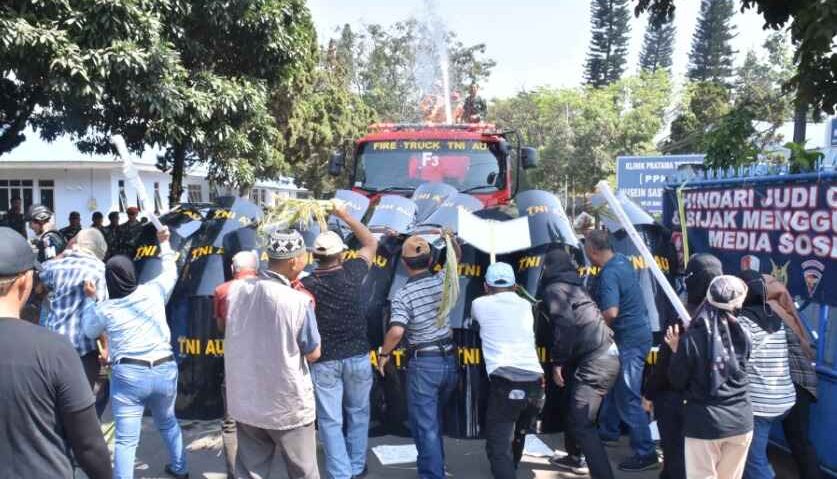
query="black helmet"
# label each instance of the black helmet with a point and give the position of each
(39, 213)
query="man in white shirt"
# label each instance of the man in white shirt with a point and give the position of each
(516, 395)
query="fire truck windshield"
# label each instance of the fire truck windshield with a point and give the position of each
(464, 164)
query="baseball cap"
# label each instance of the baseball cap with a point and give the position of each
(284, 244)
(414, 247)
(328, 243)
(16, 256)
(500, 275)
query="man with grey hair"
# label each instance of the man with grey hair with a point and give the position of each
(270, 331)
(245, 264)
(63, 278)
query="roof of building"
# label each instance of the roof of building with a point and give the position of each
(62, 153)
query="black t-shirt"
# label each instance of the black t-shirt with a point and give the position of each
(40, 376)
(340, 316)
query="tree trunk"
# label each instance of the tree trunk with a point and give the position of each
(177, 170)
(800, 119)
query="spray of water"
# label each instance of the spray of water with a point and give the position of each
(431, 69)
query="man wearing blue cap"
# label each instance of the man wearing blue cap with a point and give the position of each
(516, 395)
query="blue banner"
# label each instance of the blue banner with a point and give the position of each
(784, 226)
(642, 178)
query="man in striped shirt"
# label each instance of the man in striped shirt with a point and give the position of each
(432, 371)
(771, 390)
(64, 279)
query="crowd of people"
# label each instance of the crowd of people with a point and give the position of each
(297, 355)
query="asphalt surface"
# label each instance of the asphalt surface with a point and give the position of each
(465, 458)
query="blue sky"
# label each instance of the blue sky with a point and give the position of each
(535, 42)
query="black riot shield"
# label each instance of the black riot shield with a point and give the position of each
(394, 213)
(182, 222)
(429, 196)
(447, 215)
(356, 205)
(197, 343)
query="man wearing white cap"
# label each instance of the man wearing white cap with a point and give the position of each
(516, 395)
(343, 375)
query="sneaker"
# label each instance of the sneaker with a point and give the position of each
(574, 464)
(639, 463)
(175, 475)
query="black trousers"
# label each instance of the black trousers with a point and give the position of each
(589, 384)
(97, 377)
(795, 426)
(668, 409)
(512, 410)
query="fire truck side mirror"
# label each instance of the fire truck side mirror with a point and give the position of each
(335, 164)
(528, 157)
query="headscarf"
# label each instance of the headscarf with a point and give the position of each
(558, 265)
(120, 276)
(701, 270)
(91, 240)
(755, 304)
(724, 297)
(782, 304)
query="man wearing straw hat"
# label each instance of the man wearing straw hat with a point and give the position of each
(432, 370)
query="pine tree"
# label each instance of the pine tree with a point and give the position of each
(609, 44)
(712, 56)
(657, 46)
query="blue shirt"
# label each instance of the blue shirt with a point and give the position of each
(64, 279)
(136, 324)
(618, 286)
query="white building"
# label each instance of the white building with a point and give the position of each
(59, 176)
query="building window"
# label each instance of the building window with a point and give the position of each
(158, 200)
(123, 198)
(47, 193)
(195, 193)
(259, 196)
(10, 189)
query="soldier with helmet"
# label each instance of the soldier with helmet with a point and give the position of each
(48, 243)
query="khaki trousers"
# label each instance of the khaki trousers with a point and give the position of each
(261, 451)
(717, 458)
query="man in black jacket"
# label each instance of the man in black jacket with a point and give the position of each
(668, 402)
(583, 359)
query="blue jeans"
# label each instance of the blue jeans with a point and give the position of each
(430, 383)
(132, 388)
(626, 399)
(758, 467)
(342, 388)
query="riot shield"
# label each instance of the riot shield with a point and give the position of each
(197, 343)
(447, 213)
(548, 223)
(394, 213)
(635, 213)
(430, 196)
(356, 205)
(182, 222)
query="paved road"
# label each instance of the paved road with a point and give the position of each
(465, 459)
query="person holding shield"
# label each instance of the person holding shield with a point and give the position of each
(583, 360)
(516, 392)
(432, 369)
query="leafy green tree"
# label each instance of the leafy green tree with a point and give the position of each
(395, 67)
(580, 131)
(657, 46)
(608, 52)
(711, 57)
(813, 27)
(194, 76)
(703, 105)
